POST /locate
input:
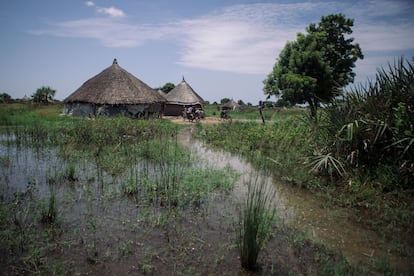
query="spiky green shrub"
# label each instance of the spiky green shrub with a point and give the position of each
(374, 125)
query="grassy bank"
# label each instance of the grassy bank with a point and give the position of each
(286, 146)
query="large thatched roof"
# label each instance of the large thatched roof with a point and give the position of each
(115, 85)
(183, 94)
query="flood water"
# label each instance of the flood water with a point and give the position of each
(303, 210)
(83, 203)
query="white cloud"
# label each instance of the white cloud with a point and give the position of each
(109, 32)
(227, 46)
(247, 38)
(242, 38)
(112, 12)
(385, 37)
(89, 3)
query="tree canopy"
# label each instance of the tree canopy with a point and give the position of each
(224, 100)
(5, 98)
(313, 68)
(167, 87)
(44, 95)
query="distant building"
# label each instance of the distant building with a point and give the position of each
(231, 105)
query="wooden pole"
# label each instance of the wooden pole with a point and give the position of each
(260, 111)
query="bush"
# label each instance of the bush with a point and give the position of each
(374, 125)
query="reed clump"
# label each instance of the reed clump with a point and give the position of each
(255, 221)
(48, 210)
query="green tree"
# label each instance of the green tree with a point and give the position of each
(5, 98)
(44, 95)
(168, 87)
(315, 67)
(282, 103)
(224, 100)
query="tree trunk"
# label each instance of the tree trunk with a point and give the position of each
(313, 105)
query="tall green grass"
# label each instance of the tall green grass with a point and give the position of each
(282, 143)
(252, 112)
(255, 221)
(167, 177)
(31, 114)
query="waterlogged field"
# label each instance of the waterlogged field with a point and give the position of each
(112, 195)
(116, 196)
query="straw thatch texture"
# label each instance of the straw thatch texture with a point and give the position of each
(231, 105)
(183, 94)
(115, 86)
(162, 93)
(181, 97)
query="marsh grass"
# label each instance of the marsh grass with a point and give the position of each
(256, 219)
(176, 186)
(48, 208)
(279, 146)
(252, 112)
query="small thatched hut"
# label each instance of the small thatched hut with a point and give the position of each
(114, 91)
(231, 105)
(181, 97)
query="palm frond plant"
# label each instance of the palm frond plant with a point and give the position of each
(371, 125)
(327, 164)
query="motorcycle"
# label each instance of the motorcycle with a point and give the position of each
(192, 116)
(224, 115)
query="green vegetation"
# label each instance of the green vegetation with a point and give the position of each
(95, 167)
(5, 98)
(44, 95)
(48, 210)
(313, 68)
(280, 142)
(167, 87)
(371, 129)
(255, 221)
(252, 112)
(357, 154)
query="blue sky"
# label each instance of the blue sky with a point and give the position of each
(224, 49)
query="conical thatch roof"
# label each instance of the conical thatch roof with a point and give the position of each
(115, 85)
(231, 105)
(183, 94)
(162, 93)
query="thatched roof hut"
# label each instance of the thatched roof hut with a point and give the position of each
(181, 97)
(114, 91)
(231, 105)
